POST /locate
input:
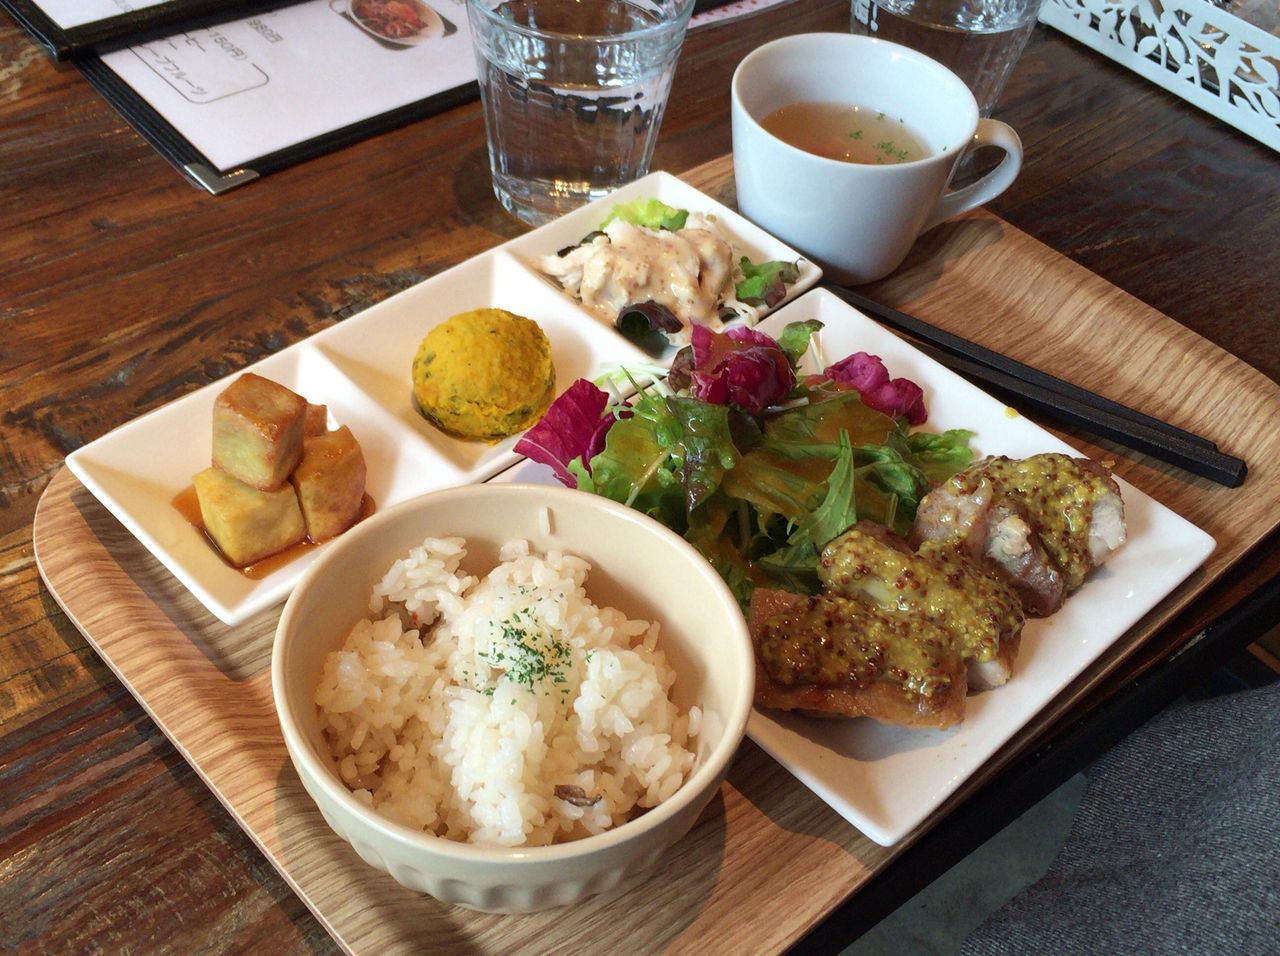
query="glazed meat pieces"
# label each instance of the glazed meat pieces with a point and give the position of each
(1043, 523)
(843, 657)
(896, 635)
(278, 474)
(902, 633)
(938, 585)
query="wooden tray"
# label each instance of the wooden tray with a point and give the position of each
(768, 859)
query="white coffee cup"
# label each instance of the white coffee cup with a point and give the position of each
(857, 220)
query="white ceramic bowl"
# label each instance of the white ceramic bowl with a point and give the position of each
(637, 566)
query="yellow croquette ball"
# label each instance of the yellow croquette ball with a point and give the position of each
(484, 375)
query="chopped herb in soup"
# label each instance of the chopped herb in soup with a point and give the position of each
(852, 134)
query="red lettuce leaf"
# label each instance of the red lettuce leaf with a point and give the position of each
(648, 324)
(899, 397)
(741, 367)
(574, 427)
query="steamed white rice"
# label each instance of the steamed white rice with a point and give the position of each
(510, 711)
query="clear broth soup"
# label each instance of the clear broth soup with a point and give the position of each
(851, 134)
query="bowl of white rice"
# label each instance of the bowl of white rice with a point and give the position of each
(511, 697)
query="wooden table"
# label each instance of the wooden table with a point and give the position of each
(121, 288)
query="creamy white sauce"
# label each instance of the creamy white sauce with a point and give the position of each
(689, 271)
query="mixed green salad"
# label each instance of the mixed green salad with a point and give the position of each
(755, 465)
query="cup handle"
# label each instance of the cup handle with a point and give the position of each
(989, 133)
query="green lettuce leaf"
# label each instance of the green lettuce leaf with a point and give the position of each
(704, 449)
(941, 456)
(708, 533)
(765, 283)
(795, 337)
(838, 509)
(670, 450)
(903, 469)
(649, 213)
(792, 569)
(774, 485)
(635, 467)
(810, 430)
(579, 471)
(795, 565)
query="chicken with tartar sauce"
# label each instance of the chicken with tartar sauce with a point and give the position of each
(689, 271)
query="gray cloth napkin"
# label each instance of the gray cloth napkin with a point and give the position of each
(1175, 847)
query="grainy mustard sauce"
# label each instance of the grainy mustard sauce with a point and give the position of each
(1058, 496)
(936, 585)
(833, 641)
(889, 615)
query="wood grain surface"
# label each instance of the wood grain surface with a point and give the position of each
(122, 288)
(208, 685)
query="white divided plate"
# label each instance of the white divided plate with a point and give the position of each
(886, 780)
(361, 370)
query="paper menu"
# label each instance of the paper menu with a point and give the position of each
(251, 87)
(70, 29)
(228, 100)
(75, 13)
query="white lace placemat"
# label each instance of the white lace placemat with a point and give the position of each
(1208, 56)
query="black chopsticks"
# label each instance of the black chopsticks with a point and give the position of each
(1058, 399)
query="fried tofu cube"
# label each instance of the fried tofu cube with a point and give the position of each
(246, 523)
(257, 431)
(330, 483)
(316, 421)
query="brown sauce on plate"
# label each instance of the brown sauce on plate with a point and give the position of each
(187, 504)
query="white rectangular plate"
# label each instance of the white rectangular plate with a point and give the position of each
(887, 780)
(361, 370)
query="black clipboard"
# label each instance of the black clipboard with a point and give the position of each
(197, 168)
(84, 46)
(200, 171)
(135, 26)
(127, 27)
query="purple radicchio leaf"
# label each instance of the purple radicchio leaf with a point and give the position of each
(898, 398)
(573, 427)
(741, 367)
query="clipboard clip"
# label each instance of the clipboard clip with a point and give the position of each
(214, 182)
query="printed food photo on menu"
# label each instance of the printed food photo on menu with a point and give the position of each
(397, 23)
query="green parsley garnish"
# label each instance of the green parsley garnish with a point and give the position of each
(887, 147)
(527, 653)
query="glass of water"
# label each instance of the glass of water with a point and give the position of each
(978, 40)
(573, 94)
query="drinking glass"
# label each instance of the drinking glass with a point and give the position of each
(573, 94)
(979, 40)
